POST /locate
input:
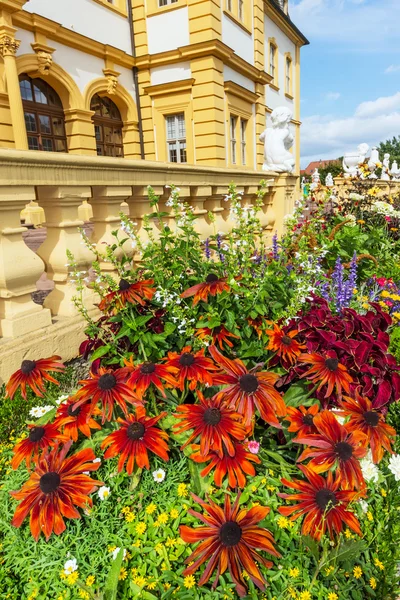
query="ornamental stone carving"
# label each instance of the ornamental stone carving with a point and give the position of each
(277, 142)
(112, 80)
(45, 60)
(8, 45)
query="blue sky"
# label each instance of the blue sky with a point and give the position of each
(350, 74)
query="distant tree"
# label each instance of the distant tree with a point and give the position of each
(335, 169)
(392, 147)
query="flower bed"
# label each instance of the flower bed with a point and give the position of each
(236, 434)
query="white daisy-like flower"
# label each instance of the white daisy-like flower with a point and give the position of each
(62, 398)
(116, 551)
(70, 566)
(159, 475)
(103, 492)
(38, 411)
(369, 470)
(394, 466)
(364, 506)
(97, 460)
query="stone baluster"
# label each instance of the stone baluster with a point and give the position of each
(61, 205)
(214, 204)
(139, 206)
(106, 206)
(20, 268)
(198, 197)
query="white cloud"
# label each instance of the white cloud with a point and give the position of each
(392, 69)
(332, 96)
(328, 137)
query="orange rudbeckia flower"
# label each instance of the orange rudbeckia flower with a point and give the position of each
(39, 438)
(363, 417)
(327, 371)
(334, 445)
(286, 347)
(322, 502)
(191, 366)
(302, 419)
(212, 286)
(248, 390)
(74, 419)
(229, 541)
(33, 374)
(213, 421)
(234, 466)
(134, 438)
(129, 293)
(54, 489)
(140, 377)
(220, 335)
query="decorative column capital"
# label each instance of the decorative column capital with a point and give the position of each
(44, 56)
(112, 79)
(8, 45)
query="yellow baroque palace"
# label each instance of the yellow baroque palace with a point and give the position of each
(186, 81)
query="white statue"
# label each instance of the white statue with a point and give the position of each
(329, 180)
(277, 142)
(385, 167)
(351, 160)
(373, 162)
(316, 179)
(395, 171)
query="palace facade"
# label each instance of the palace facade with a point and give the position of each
(185, 81)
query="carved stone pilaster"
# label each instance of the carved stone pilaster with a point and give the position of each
(8, 45)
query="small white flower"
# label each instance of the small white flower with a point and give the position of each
(97, 460)
(369, 470)
(338, 418)
(394, 466)
(38, 411)
(159, 475)
(70, 566)
(364, 506)
(62, 398)
(103, 492)
(116, 551)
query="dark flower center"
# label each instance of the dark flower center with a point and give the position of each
(308, 420)
(123, 285)
(217, 330)
(186, 359)
(248, 383)
(332, 364)
(325, 499)
(211, 278)
(212, 416)
(107, 381)
(73, 413)
(230, 534)
(135, 431)
(286, 340)
(36, 434)
(344, 450)
(49, 482)
(371, 418)
(148, 368)
(27, 366)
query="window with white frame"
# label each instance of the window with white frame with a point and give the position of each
(243, 128)
(166, 2)
(176, 138)
(272, 60)
(232, 128)
(288, 77)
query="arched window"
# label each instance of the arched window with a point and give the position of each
(107, 127)
(44, 115)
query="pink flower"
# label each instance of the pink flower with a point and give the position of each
(253, 447)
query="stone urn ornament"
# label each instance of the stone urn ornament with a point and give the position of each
(277, 142)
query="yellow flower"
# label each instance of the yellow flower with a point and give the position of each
(129, 517)
(305, 596)
(253, 488)
(282, 522)
(140, 580)
(271, 488)
(159, 547)
(372, 582)
(332, 596)
(125, 510)
(141, 528)
(63, 575)
(329, 570)
(134, 571)
(182, 490)
(137, 544)
(84, 594)
(170, 543)
(189, 582)
(245, 575)
(151, 508)
(384, 493)
(152, 585)
(123, 574)
(347, 534)
(292, 592)
(370, 516)
(294, 572)
(167, 586)
(90, 580)
(174, 513)
(379, 564)
(71, 579)
(361, 221)
(162, 518)
(357, 572)
(111, 548)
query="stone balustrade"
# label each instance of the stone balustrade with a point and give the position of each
(68, 187)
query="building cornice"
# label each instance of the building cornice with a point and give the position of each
(166, 88)
(237, 90)
(284, 22)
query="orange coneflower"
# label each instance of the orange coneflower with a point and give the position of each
(134, 438)
(191, 366)
(335, 445)
(229, 540)
(212, 286)
(213, 421)
(284, 344)
(135, 293)
(234, 466)
(57, 485)
(109, 388)
(249, 389)
(363, 417)
(327, 370)
(302, 419)
(140, 377)
(40, 437)
(259, 324)
(32, 373)
(74, 419)
(323, 503)
(219, 335)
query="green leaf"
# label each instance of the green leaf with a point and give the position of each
(312, 545)
(111, 585)
(347, 551)
(100, 352)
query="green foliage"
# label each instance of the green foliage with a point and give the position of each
(392, 147)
